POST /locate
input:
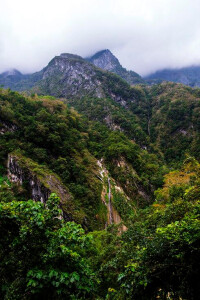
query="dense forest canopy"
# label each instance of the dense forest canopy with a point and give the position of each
(119, 216)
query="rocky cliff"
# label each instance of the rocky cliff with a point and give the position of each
(71, 76)
(38, 181)
(41, 183)
(108, 197)
(17, 174)
(105, 60)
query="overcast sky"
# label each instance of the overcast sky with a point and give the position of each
(145, 35)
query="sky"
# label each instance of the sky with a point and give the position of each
(145, 35)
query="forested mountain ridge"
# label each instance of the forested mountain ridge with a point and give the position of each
(72, 150)
(15, 80)
(164, 119)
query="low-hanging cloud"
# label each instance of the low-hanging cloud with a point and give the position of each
(145, 35)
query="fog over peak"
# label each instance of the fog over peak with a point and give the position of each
(144, 35)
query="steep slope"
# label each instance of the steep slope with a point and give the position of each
(164, 119)
(70, 76)
(105, 60)
(174, 120)
(115, 116)
(56, 141)
(188, 76)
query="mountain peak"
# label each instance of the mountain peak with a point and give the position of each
(102, 52)
(11, 72)
(70, 56)
(104, 59)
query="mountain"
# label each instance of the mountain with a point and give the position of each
(163, 119)
(17, 81)
(103, 96)
(11, 72)
(188, 76)
(71, 76)
(105, 60)
(9, 78)
(102, 204)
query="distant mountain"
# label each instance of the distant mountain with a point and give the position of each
(105, 60)
(17, 81)
(11, 72)
(188, 76)
(9, 78)
(71, 76)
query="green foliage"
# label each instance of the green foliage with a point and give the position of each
(158, 255)
(164, 118)
(71, 143)
(113, 114)
(161, 247)
(41, 256)
(35, 120)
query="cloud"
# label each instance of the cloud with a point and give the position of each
(145, 35)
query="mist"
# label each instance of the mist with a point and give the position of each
(144, 35)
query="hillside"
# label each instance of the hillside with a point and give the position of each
(75, 151)
(163, 119)
(80, 171)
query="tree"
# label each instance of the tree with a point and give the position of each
(41, 256)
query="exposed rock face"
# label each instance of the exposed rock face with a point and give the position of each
(22, 170)
(104, 59)
(16, 174)
(113, 216)
(69, 75)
